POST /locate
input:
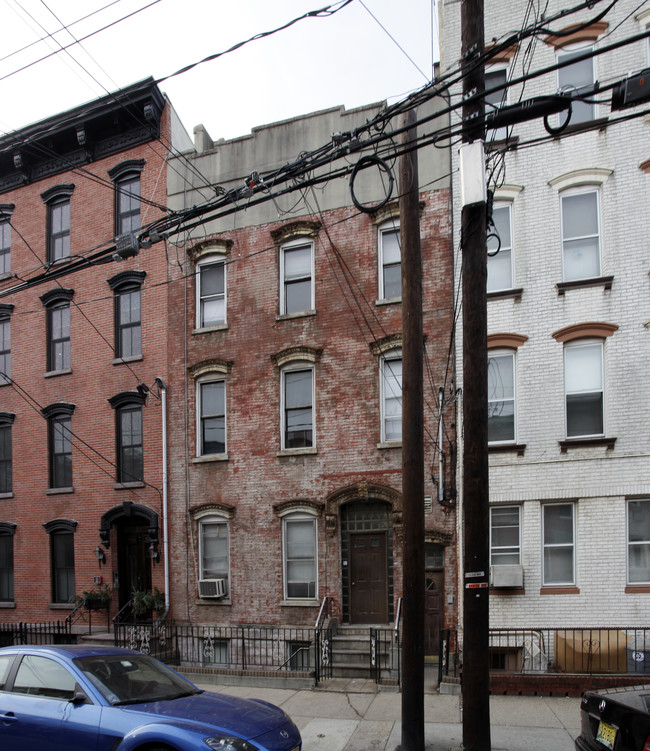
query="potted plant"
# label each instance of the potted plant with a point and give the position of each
(95, 599)
(145, 602)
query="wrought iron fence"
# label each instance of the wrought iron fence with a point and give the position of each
(385, 654)
(54, 632)
(448, 655)
(597, 650)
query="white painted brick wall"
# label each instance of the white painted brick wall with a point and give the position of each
(599, 480)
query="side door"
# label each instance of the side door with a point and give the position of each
(36, 711)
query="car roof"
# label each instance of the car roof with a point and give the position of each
(68, 651)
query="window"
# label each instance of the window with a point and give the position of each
(495, 100)
(6, 422)
(6, 210)
(61, 532)
(41, 676)
(391, 397)
(129, 436)
(299, 537)
(638, 542)
(558, 536)
(576, 78)
(501, 397)
(7, 531)
(297, 277)
(5, 349)
(583, 384)
(580, 234)
(499, 264)
(505, 535)
(126, 178)
(298, 408)
(211, 293)
(128, 313)
(298, 655)
(214, 549)
(390, 261)
(60, 452)
(57, 305)
(211, 399)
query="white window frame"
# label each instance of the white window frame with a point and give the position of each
(300, 516)
(570, 49)
(205, 261)
(385, 392)
(568, 348)
(568, 194)
(501, 549)
(199, 415)
(557, 546)
(494, 259)
(631, 544)
(301, 242)
(294, 367)
(391, 226)
(222, 522)
(496, 134)
(503, 353)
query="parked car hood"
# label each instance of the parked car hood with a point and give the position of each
(243, 717)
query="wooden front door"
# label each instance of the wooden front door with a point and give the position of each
(432, 611)
(368, 578)
(134, 564)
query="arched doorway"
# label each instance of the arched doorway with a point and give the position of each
(135, 534)
(367, 562)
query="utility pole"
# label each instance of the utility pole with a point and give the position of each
(476, 693)
(412, 446)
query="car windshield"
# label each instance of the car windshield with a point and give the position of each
(133, 678)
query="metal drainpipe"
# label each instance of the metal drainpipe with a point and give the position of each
(163, 401)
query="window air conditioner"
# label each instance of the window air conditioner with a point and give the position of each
(511, 575)
(212, 588)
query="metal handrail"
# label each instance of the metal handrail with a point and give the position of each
(398, 615)
(323, 610)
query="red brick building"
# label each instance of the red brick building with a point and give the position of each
(80, 407)
(285, 376)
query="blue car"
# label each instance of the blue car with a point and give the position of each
(107, 699)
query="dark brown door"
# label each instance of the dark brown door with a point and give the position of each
(432, 611)
(133, 560)
(368, 578)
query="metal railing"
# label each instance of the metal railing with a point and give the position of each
(385, 654)
(54, 632)
(448, 654)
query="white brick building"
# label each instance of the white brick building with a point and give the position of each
(568, 322)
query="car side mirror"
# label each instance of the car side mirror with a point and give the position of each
(79, 698)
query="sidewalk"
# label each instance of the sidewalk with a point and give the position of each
(353, 716)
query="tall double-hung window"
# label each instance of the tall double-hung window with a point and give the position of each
(6, 210)
(638, 541)
(299, 556)
(62, 559)
(126, 287)
(5, 343)
(6, 456)
(390, 374)
(57, 304)
(58, 202)
(129, 436)
(581, 243)
(297, 277)
(390, 260)
(126, 177)
(7, 532)
(59, 421)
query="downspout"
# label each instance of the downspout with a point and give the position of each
(163, 401)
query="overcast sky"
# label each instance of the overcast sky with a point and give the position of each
(370, 50)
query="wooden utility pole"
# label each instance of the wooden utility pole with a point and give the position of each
(412, 447)
(476, 695)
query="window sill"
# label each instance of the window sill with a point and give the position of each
(53, 373)
(7, 275)
(4, 381)
(7, 605)
(637, 589)
(211, 601)
(505, 293)
(586, 443)
(388, 301)
(6, 495)
(59, 491)
(599, 281)
(210, 458)
(499, 144)
(291, 316)
(308, 602)
(560, 590)
(507, 591)
(506, 448)
(595, 124)
(389, 445)
(210, 329)
(131, 358)
(297, 452)
(61, 606)
(128, 485)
